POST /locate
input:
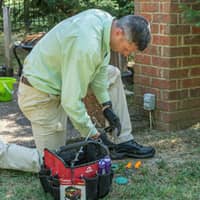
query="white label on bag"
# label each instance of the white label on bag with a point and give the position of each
(69, 192)
(88, 170)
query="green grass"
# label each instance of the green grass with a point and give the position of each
(173, 174)
(22, 186)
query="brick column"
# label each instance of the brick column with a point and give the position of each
(170, 67)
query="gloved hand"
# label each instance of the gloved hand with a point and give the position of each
(112, 118)
(104, 138)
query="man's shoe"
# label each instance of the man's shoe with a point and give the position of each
(117, 156)
(134, 150)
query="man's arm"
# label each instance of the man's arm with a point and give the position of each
(77, 70)
(100, 89)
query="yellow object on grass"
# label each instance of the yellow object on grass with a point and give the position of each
(137, 164)
(6, 88)
(129, 165)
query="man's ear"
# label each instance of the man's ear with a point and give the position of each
(119, 31)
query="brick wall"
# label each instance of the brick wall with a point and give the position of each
(170, 67)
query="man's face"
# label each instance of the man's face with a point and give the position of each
(120, 44)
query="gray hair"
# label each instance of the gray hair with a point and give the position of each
(136, 29)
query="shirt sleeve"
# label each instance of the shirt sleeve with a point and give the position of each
(77, 69)
(100, 85)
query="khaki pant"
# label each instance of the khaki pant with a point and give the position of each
(49, 121)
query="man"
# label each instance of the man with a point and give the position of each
(71, 58)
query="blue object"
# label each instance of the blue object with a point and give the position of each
(107, 164)
(121, 180)
(115, 166)
(101, 167)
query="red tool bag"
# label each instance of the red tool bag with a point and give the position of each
(72, 171)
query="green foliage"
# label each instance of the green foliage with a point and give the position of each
(43, 14)
(125, 7)
(55, 10)
(191, 14)
(117, 8)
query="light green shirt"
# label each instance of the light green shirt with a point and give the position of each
(71, 57)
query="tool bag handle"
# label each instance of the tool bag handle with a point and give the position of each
(83, 143)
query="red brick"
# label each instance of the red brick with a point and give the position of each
(164, 40)
(189, 83)
(177, 29)
(166, 106)
(165, 7)
(143, 80)
(155, 91)
(163, 84)
(164, 62)
(195, 50)
(150, 71)
(195, 71)
(154, 28)
(177, 74)
(176, 51)
(153, 50)
(163, 28)
(195, 39)
(148, 16)
(164, 117)
(175, 95)
(165, 18)
(175, 125)
(195, 30)
(149, 7)
(195, 92)
(188, 104)
(175, 64)
(191, 61)
(138, 90)
(143, 59)
(175, 7)
(174, 116)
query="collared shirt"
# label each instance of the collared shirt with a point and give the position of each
(70, 58)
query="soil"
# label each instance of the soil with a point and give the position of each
(15, 128)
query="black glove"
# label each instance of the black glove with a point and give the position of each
(112, 118)
(104, 138)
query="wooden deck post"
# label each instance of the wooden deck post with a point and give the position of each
(7, 40)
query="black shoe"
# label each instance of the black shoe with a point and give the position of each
(134, 150)
(117, 156)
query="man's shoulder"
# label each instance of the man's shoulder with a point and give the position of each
(97, 12)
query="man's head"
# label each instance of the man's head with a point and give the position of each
(129, 34)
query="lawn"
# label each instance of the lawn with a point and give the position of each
(173, 174)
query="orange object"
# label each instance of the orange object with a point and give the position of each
(137, 164)
(129, 165)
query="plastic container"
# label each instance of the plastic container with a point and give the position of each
(6, 88)
(149, 101)
(107, 164)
